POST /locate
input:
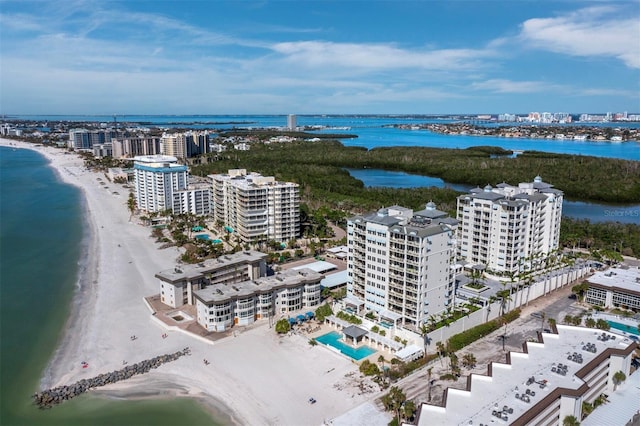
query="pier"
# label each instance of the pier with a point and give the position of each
(50, 397)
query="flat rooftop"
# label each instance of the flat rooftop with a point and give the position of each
(192, 271)
(223, 292)
(320, 266)
(541, 362)
(616, 277)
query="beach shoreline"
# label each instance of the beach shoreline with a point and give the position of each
(256, 377)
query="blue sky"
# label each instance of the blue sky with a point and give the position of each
(318, 57)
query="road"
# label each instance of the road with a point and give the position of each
(555, 305)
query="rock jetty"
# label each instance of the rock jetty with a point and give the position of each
(50, 397)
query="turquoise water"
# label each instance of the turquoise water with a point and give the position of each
(206, 237)
(42, 252)
(333, 339)
(624, 327)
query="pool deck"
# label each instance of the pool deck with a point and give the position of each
(324, 329)
(616, 318)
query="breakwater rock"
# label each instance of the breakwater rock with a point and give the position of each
(50, 397)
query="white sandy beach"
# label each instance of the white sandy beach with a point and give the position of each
(256, 378)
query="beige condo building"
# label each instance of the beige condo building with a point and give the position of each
(258, 208)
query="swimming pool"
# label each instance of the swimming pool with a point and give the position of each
(206, 237)
(624, 327)
(333, 339)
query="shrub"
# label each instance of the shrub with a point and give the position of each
(323, 311)
(368, 368)
(283, 326)
(460, 340)
(448, 376)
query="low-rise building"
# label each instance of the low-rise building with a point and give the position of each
(616, 287)
(178, 285)
(221, 306)
(549, 380)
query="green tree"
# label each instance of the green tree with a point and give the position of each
(618, 378)
(368, 368)
(602, 324)
(426, 340)
(469, 360)
(442, 351)
(587, 409)
(381, 361)
(580, 290)
(131, 205)
(283, 326)
(323, 311)
(570, 421)
(393, 400)
(408, 408)
(504, 297)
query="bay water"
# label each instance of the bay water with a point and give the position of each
(42, 247)
(373, 131)
(594, 212)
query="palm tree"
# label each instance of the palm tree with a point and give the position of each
(408, 408)
(432, 322)
(381, 361)
(504, 296)
(570, 421)
(441, 350)
(587, 408)
(424, 330)
(131, 205)
(542, 318)
(618, 378)
(394, 400)
(469, 360)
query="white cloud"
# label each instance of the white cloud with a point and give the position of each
(508, 86)
(595, 31)
(378, 56)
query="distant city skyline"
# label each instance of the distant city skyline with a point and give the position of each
(313, 57)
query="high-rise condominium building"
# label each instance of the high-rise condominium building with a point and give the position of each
(506, 227)
(85, 139)
(132, 146)
(187, 144)
(258, 208)
(157, 178)
(400, 263)
(292, 122)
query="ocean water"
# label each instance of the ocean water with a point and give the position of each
(41, 252)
